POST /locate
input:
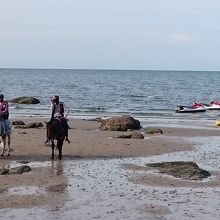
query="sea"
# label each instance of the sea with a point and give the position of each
(90, 93)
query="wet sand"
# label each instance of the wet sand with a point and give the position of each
(103, 177)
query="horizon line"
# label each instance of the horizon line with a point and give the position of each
(114, 69)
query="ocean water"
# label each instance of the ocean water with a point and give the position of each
(103, 93)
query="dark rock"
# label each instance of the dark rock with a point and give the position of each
(20, 169)
(57, 188)
(23, 161)
(98, 119)
(25, 100)
(122, 123)
(39, 124)
(181, 169)
(23, 132)
(15, 170)
(20, 126)
(30, 125)
(126, 136)
(153, 131)
(34, 125)
(137, 135)
(18, 123)
(4, 171)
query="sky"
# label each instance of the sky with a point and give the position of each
(110, 34)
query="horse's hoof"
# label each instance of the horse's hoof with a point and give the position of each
(47, 141)
(68, 140)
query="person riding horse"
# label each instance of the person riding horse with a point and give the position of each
(60, 112)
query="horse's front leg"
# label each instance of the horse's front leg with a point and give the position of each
(53, 146)
(60, 146)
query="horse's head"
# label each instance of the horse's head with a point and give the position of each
(54, 129)
(49, 128)
(51, 124)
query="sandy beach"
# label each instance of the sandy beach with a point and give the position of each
(104, 177)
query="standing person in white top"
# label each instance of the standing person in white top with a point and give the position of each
(60, 112)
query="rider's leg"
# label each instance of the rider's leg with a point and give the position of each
(65, 129)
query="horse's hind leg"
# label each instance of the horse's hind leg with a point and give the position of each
(9, 145)
(53, 145)
(4, 143)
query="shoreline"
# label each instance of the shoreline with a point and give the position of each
(88, 141)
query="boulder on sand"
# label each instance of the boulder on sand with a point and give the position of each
(153, 131)
(18, 123)
(30, 125)
(122, 123)
(134, 135)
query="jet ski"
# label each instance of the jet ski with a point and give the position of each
(195, 108)
(213, 105)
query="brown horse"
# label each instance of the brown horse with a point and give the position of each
(55, 132)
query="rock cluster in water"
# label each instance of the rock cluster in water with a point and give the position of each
(181, 169)
(25, 100)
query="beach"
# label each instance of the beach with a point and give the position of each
(104, 177)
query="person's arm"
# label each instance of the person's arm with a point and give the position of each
(52, 107)
(4, 109)
(66, 110)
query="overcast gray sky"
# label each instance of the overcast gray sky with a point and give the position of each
(110, 34)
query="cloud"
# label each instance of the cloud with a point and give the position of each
(179, 39)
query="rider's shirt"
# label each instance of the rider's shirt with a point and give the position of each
(4, 110)
(59, 110)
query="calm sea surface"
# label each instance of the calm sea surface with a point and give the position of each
(143, 94)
